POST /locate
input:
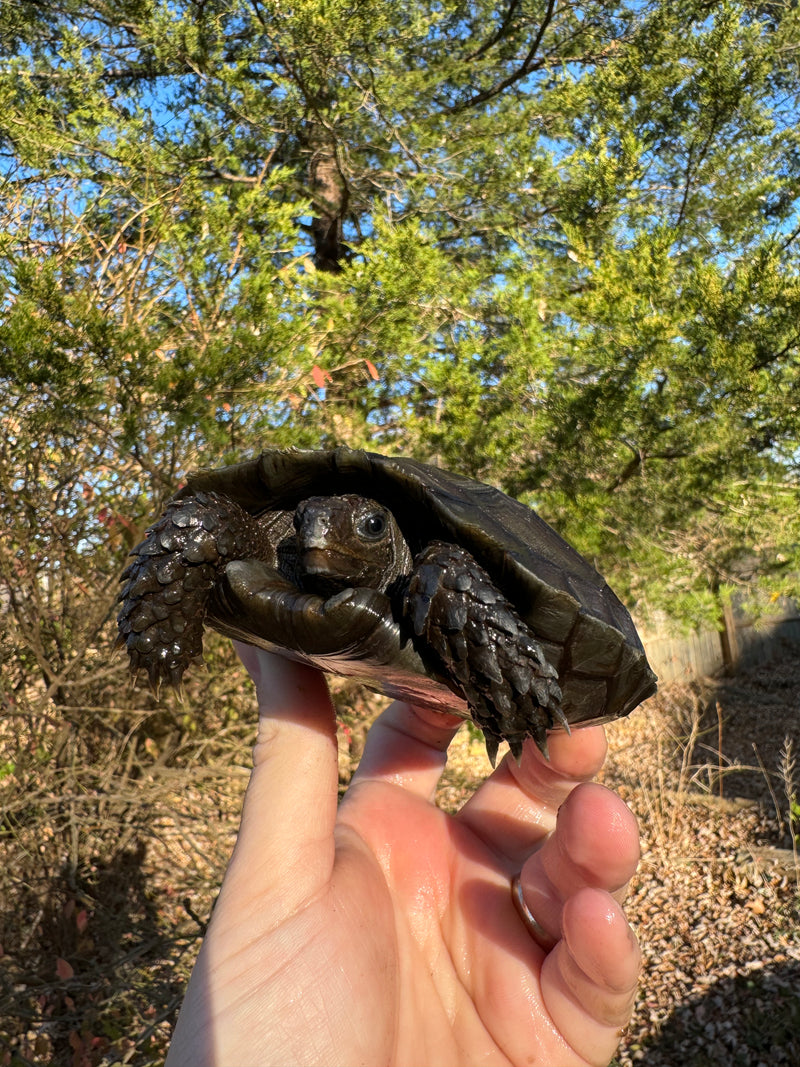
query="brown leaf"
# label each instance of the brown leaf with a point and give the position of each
(63, 969)
(373, 370)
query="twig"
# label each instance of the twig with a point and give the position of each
(766, 774)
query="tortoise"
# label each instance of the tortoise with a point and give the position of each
(427, 585)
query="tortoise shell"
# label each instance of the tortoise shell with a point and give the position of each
(584, 630)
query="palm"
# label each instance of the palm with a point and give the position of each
(396, 941)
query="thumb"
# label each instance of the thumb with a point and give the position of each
(285, 849)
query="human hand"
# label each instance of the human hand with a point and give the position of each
(382, 931)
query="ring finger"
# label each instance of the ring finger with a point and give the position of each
(595, 845)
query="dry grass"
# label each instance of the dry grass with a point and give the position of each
(715, 902)
(116, 828)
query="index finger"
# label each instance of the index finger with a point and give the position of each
(407, 746)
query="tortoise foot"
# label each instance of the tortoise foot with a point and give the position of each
(169, 581)
(483, 646)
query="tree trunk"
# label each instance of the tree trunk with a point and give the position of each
(329, 200)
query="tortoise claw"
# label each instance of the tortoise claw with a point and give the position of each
(538, 732)
(516, 749)
(492, 746)
(175, 675)
(557, 713)
(154, 680)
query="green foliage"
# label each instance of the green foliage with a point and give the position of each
(554, 246)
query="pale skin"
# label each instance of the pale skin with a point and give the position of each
(383, 932)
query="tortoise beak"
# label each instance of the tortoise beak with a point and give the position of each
(317, 562)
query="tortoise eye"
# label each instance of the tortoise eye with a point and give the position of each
(372, 526)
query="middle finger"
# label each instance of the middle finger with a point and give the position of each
(515, 809)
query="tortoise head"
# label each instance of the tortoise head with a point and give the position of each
(348, 542)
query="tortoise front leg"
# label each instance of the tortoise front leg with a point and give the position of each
(169, 582)
(256, 604)
(483, 646)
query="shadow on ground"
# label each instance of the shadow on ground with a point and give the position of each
(71, 972)
(742, 1021)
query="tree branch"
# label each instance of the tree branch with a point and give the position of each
(527, 66)
(499, 34)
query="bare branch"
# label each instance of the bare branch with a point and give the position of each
(528, 65)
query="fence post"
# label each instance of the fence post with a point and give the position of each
(728, 638)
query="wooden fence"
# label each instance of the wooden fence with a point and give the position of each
(743, 641)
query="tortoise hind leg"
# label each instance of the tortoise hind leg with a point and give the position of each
(483, 647)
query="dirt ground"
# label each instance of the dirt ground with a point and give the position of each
(716, 900)
(710, 772)
(108, 875)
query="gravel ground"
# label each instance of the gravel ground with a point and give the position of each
(716, 900)
(94, 959)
